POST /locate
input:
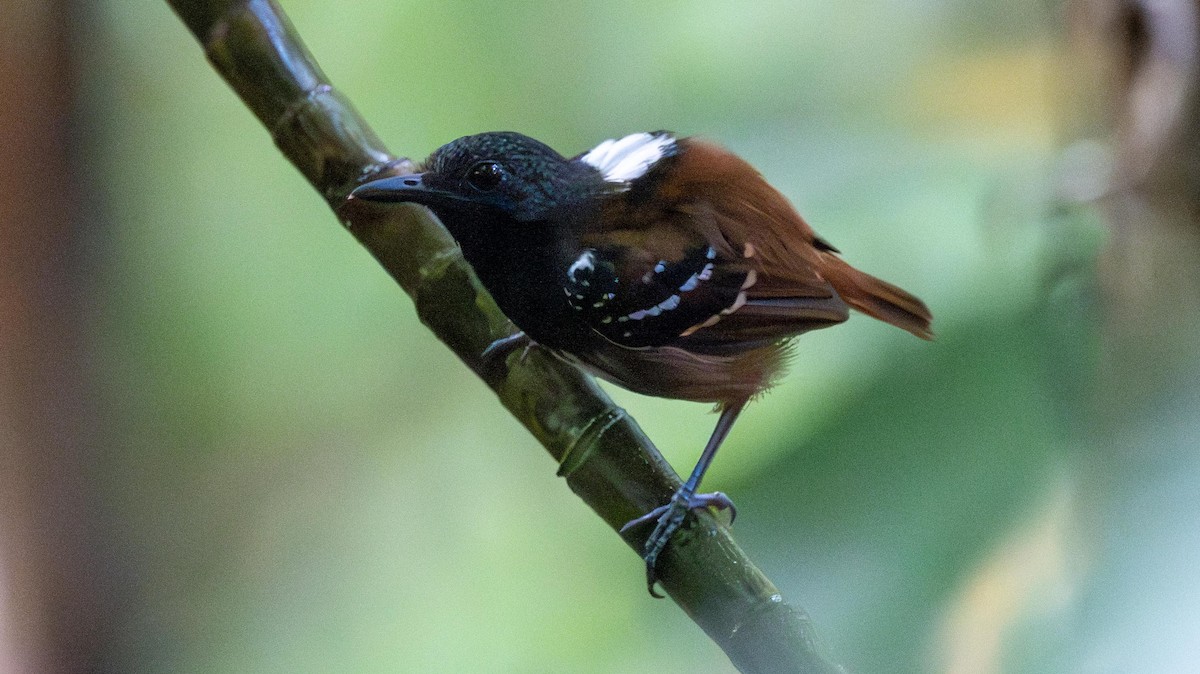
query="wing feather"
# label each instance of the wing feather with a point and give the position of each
(708, 256)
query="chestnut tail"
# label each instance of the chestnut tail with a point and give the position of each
(878, 298)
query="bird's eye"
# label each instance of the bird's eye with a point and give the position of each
(485, 176)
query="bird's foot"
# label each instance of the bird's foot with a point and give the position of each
(669, 518)
(496, 354)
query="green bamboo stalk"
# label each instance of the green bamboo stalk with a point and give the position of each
(603, 455)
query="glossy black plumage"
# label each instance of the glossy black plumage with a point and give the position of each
(668, 266)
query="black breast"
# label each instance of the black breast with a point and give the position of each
(522, 270)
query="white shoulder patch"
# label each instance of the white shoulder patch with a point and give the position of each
(626, 159)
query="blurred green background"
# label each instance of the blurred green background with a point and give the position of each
(302, 479)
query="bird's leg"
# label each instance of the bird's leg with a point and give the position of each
(670, 516)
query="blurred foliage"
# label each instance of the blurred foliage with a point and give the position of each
(308, 481)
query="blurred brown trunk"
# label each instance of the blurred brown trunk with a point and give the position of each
(1136, 604)
(1149, 53)
(49, 611)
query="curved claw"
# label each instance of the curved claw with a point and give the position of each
(669, 518)
(716, 499)
(652, 580)
(652, 515)
(496, 354)
(503, 346)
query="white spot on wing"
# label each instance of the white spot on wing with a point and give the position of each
(656, 310)
(751, 278)
(713, 320)
(626, 159)
(737, 304)
(585, 262)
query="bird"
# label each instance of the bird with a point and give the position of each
(662, 263)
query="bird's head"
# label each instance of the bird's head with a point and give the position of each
(487, 176)
(507, 175)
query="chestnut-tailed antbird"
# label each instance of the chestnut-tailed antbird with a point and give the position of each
(666, 265)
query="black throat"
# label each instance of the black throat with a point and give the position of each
(523, 266)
